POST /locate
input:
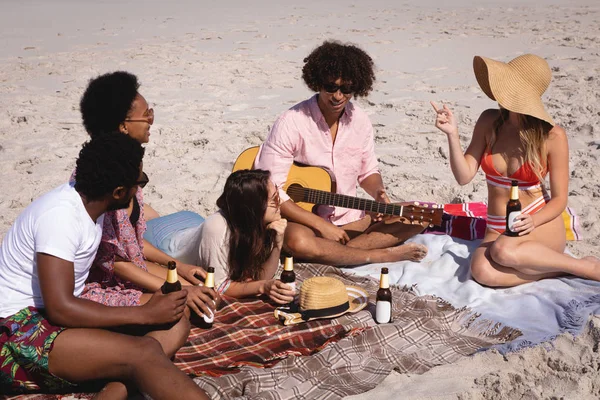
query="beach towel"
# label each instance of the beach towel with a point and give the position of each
(425, 332)
(469, 220)
(177, 235)
(541, 310)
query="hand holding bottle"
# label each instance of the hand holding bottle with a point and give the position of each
(202, 300)
(164, 308)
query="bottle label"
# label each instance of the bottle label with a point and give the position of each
(384, 281)
(511, 220)
(209, 318)
(292, 285)
(172, 276)
(383, 312)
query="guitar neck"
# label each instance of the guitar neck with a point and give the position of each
(315, 196)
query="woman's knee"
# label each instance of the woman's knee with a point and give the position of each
(503, 253)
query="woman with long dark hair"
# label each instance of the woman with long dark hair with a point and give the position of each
(243, 239)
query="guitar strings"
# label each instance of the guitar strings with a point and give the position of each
(315, 196)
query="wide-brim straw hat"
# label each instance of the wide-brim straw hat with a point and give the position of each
(517, 85)
(323, 297)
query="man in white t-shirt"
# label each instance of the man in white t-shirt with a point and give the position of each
(52, 340)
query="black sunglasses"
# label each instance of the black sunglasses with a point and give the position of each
(332, 88)
(144, 181)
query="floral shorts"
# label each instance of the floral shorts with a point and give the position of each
(26, 339)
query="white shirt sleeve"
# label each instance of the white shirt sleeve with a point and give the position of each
(214, 247)
(56, 233)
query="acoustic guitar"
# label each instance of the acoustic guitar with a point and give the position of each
(311, 186)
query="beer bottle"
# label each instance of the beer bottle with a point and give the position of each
(383, 305)
(209, 282)
(172, 283)
(513, 209)
(288, 276)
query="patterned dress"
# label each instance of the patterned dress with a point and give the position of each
(119, 239)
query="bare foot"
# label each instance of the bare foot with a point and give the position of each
(408, 251)
(112, 390)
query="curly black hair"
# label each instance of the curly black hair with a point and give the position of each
(107, 162)
(107, 100)
(333, 60)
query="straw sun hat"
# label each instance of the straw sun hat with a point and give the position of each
(517, 85)
(323, 297)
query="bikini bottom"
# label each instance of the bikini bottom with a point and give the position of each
(497, 223)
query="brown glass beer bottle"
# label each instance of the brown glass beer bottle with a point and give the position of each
(383, 305)
(513, 209)
(288, 276)
(172, 283)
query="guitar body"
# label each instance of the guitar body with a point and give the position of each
(311, 186)
(303, 175)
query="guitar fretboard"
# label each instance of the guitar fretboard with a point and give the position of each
(315, 196)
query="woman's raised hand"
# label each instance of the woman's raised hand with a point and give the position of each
(445, 120)
(279, 228)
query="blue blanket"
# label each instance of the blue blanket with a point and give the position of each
(541, 310)
(176, 234)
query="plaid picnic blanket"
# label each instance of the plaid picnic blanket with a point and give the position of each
(249, 354)
(425, 332)
(246, 332)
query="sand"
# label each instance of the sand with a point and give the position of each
(219, 76)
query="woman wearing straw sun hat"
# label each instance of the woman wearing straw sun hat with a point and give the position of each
(519, 141)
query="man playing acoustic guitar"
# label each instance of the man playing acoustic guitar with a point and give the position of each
(327, 130)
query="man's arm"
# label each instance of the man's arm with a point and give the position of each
(373, 185)
(56, 278)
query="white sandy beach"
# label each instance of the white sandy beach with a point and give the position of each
(219, 75)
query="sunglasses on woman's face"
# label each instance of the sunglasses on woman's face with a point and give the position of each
(144, 181)
(275, 201)
(332, 88)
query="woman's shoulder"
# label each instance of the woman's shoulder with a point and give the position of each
(214, 225)
(557, 131)
(557, 137)
(489, 115)
(485, 124)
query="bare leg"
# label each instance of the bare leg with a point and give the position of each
(488, 272)
(304, 244)
(380, 235)
(508, 261)
(170, 340)
(173, 338)
(81, 355)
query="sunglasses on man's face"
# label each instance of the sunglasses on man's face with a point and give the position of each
(149, 118)
(144, 181)
(332, 88)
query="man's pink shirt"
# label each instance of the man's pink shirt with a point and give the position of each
(301, 134)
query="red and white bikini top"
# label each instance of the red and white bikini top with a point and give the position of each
(524, 175)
